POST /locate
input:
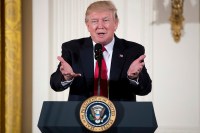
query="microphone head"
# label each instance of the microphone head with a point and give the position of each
(97, 46)
(98, 51)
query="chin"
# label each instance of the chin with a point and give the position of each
(102, 40)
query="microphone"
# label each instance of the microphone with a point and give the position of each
(98, 51)
(98, 56)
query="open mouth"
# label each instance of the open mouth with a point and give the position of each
(100, 34)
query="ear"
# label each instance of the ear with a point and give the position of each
(87, 25)
(116, 25)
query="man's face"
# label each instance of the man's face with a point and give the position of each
(102, 26)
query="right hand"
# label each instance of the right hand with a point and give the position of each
(136, 67)
(66, 70)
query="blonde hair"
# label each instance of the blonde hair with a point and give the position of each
(101, 6)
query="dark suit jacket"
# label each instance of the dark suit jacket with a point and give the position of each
(80, 55)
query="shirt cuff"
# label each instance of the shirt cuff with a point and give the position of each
(133, 82)
(67, 82)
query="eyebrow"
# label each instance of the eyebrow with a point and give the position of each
(102, 18)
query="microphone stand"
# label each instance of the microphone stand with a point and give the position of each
(99, 76)
(98, 57)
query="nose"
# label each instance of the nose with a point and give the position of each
(100, 25)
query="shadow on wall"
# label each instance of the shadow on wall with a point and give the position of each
(162, 10)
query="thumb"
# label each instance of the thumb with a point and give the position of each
(141, 58)
(61, 59)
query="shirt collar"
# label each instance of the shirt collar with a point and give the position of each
(109, 46)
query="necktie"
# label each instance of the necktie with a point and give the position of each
(103, 81)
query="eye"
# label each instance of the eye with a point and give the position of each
(94, 21)
(106, 20)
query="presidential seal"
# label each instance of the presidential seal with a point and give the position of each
(97, 113)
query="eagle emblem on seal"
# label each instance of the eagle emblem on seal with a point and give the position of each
(97, 114)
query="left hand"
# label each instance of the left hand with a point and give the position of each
(136, 67)
(67, 70)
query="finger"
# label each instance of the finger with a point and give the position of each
(72, 74)
(76, 74)
(61, 59)
(133, 75)
(61, 68)
(140, 70)
(142, 64)
(141, 58)
(136, 73)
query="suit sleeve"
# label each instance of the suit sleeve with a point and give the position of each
(145, 83)
(57, 77)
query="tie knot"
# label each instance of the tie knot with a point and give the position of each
(103, 49)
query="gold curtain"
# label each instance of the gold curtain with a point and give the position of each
(11, 66)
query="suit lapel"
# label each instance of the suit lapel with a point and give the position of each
(87, 61)
(118, 59)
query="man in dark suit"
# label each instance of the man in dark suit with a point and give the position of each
(126, 72)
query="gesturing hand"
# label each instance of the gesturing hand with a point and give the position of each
(136, 67)
(66, 69)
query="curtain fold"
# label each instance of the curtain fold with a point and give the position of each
(11, 66)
